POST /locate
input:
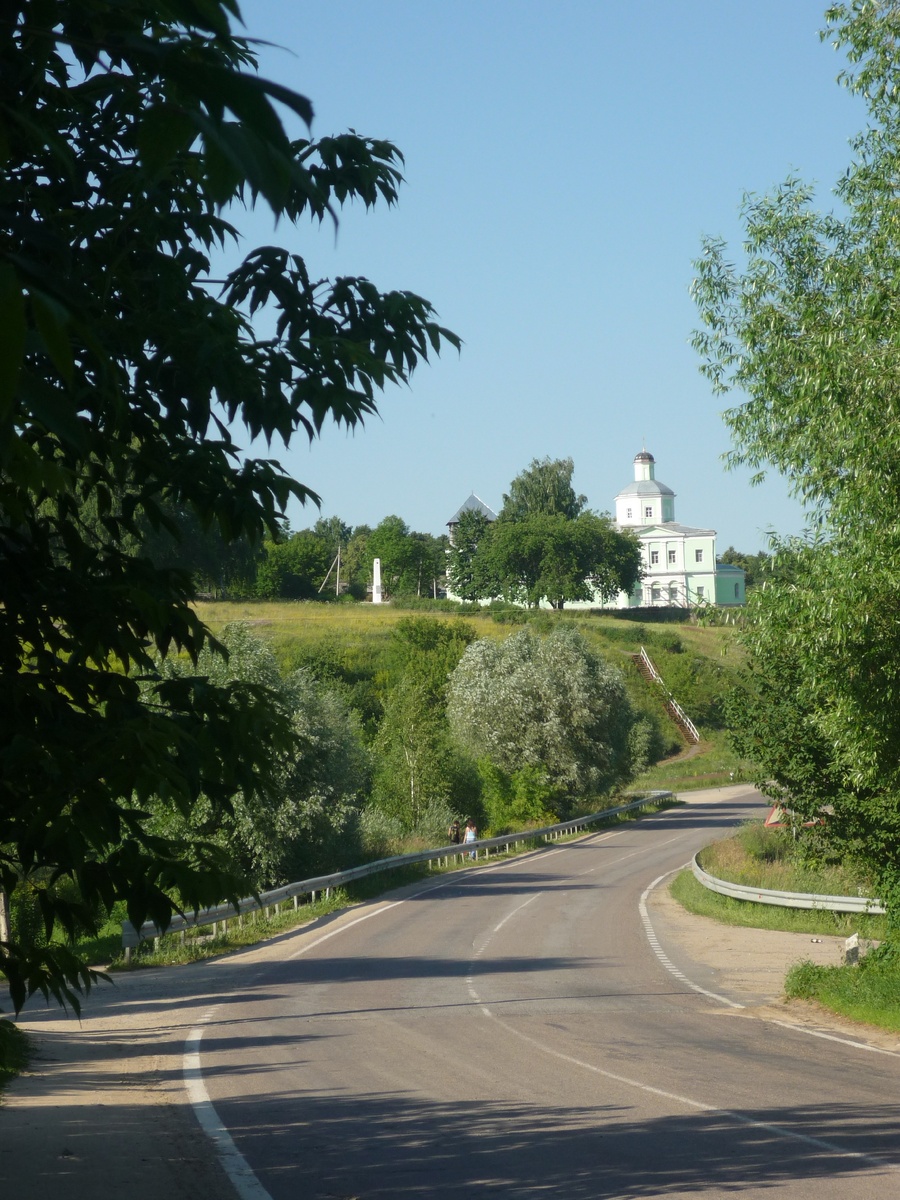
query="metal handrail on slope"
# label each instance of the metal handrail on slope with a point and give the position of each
(851, 904)
(670, 699)
(132, 937)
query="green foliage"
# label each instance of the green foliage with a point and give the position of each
(516, 799)
(293, 569)
(548, 705)
(792, 859)
(700, 686)
(305, 821)
(543, 547)
(130, 129)
(756, 567)
(647, 743)
(420, 772)
(863, 993)
(806, 330)
(557, 558)
(389, 541)
(544, 488)
(411, 563)
(468, 574)
(15, 1052)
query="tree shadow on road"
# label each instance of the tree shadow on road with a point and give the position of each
(394, 1146)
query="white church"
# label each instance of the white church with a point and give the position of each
(679, 562)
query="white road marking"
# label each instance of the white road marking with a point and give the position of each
(682, 978)
(687, 1101)
(233, 1162)
(832, 1037)
(778, 1130)
(663, 958)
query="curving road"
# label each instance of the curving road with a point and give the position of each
(520, 1030)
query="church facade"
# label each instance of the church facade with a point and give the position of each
(679, 561)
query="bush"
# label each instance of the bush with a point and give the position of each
(516, 800)
(547, 704)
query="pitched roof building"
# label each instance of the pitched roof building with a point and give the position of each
(473, 504)
(680, 566)
(679, 561)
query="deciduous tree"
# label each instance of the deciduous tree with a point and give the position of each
(806, 330)
(468, 575)
(545, 488)
(551, 557)
(418, 766)
(132, 131)
(546, 705)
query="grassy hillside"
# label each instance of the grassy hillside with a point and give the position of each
(351, 643)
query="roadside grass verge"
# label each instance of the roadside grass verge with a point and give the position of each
(194, 945)
(869, 991)
(15, 1050)
(713, 764)
(768, 858)
(704, 903)
(771, 858)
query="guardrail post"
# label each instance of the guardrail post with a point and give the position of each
(308, 891)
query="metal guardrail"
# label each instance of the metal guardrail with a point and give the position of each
(670, 699)
(222, 913)
(851, 904)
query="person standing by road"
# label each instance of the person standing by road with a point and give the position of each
(454, 833)
(471, 833)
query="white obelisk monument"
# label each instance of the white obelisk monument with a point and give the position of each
(377, 597)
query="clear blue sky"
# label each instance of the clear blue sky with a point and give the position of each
(563, 161)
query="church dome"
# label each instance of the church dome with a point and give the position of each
(646, 500)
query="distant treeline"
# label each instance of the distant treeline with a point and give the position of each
(328, 560)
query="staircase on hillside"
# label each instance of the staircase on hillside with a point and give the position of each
(685, 725)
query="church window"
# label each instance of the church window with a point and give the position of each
(671, 556)
(673, 591)
(654, 556)
(655, 593)
(737, 591)
(648, 511)
(628, 513)
(699, 593)
(698, 556)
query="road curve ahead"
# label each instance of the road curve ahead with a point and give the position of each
(512, 1031)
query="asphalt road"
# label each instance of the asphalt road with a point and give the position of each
(512, 1031)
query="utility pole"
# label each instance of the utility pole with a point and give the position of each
(335, 562)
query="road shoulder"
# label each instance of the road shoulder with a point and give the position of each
(749, 966)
